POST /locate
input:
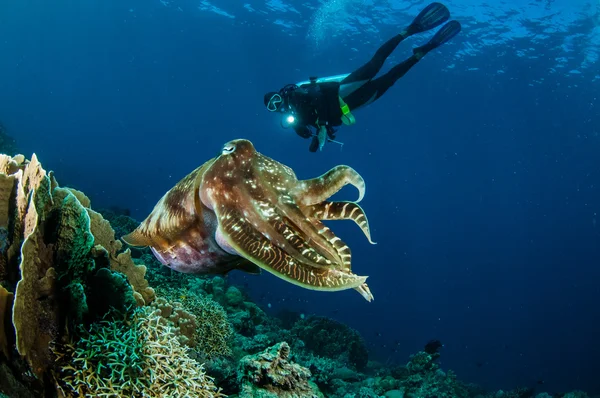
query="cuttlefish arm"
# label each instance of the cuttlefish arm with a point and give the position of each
(317, 190)
(258, 186)
(251, 244)
(341, 211)
(260, 221)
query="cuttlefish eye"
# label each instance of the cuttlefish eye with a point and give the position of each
(228, 148)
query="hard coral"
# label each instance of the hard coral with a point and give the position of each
(57, 258)
(5, 304)
(326, 337)
(425, 379)
(183, 322)
(270, 374)
(138, 357)
(213, 331)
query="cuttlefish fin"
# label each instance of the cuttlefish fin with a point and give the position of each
(316, 190)
(173, 215)
(342, 211)
(137, 239)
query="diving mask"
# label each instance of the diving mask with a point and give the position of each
(274, 103)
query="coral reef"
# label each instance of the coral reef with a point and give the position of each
(62, 272)
(271, 374)
(135, 358)
(329, 338)
(78, 317)
(210, 331)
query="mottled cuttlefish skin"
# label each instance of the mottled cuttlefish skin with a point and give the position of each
(245, 206)
(180, 231)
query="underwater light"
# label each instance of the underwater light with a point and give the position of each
(288, 120)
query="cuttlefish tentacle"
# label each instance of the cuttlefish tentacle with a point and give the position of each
(268, 209)
(316, 190)
(341, 211)
(280, 182)
(251, 244)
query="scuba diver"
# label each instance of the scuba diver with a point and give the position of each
(328, 102)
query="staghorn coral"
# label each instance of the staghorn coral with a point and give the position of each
(140, 357)
(271, 374)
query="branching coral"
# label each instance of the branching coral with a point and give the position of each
(137, 358)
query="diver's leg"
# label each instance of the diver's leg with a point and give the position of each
(430, 17)
(374, 89)
(371, 68)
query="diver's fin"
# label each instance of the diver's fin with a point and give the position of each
(442, 36)
(432, 16)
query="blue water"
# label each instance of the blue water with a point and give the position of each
(481, 163)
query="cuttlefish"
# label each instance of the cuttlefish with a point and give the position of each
(243, 210)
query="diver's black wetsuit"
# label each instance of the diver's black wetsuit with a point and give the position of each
(315, 104)
(319, 101)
